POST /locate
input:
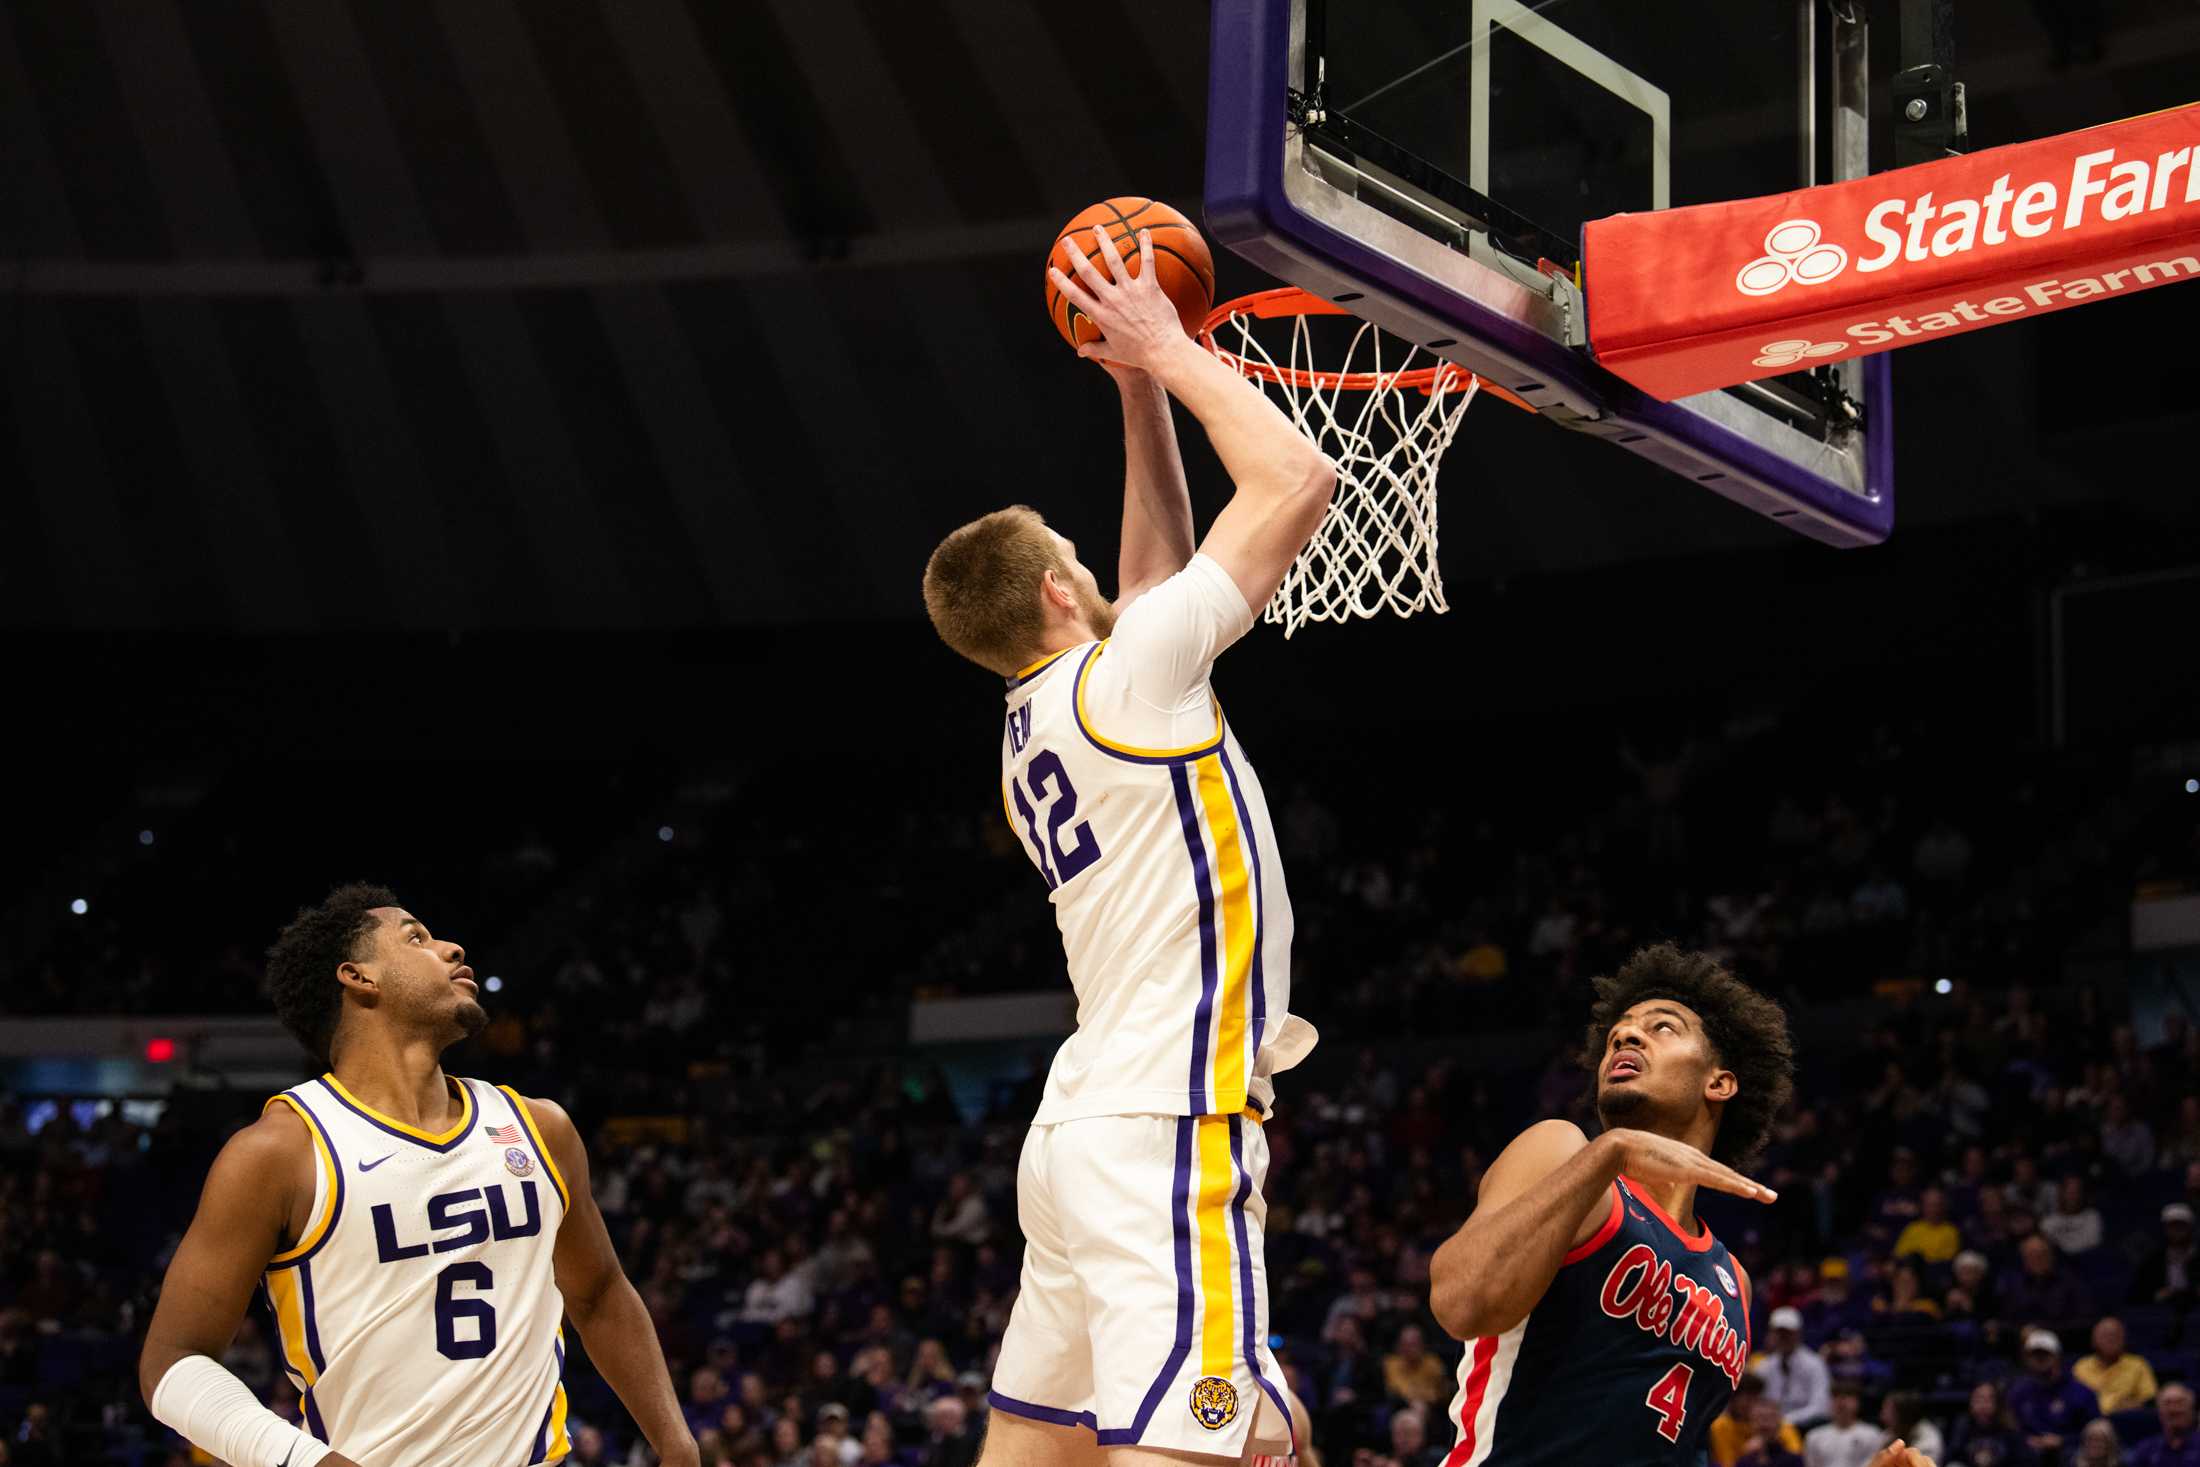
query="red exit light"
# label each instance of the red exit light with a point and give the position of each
(160, 1051)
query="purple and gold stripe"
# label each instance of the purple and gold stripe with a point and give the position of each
(323, 1226)
(1185, 1304)
(1131, 753)
(468, 1112)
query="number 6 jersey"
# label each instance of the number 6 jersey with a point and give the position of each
(1130, 794)
(418, 1314)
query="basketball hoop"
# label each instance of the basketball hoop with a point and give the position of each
(1384, 417)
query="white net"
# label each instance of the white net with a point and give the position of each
(1376, 548)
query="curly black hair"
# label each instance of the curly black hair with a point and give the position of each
(1748, 1033)
(302, 964)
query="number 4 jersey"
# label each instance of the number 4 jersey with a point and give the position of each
(1632, 1351)
(1132, 797)
(418, 1314)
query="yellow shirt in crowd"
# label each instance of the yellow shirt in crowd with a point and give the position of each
(1933, 1242)
(2129, 1382)
(1729, 1436)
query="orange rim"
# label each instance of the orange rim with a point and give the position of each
(1271, 305)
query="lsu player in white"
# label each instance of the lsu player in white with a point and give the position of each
(1140, 1330)
(418, 1238)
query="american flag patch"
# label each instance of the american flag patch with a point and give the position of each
(503, 1135)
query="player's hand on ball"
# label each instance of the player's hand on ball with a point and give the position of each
(1897, 1454)
(1654, 1159)
(1137, 321)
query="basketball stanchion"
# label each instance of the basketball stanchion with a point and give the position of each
(1384, 416)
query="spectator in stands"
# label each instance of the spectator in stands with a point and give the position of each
(2026, 1188)
(1412, 1375)
(1409, 1444)
(2098, 1446)
(2178, 1445)
(949, 1441)
(1772, 1442)
(1353, 1379)
(2042, 1289)
(1988, 1435)
(1898, 1203)
(1846, 1440)
(707, 1393)
(588, 1448)
(1848, 1358)
(2048, 1404)
(2075, 1224)
(1837, 1306)
(1795, 1378)
(1931, 1236)
(1971, 1292)
(1736, 1426)
(2118, 1378)
(1905, 1298)
(1902, 1415)
(777, 1292)
(2126, 1138)
(2169, 1272)
(961, 1216)
(2181, 1147)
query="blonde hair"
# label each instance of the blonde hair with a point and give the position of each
(981, 587)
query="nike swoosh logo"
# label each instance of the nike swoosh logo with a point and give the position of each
(292, 1452)
(368, 1166)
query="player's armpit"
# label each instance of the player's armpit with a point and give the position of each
(246, 1210)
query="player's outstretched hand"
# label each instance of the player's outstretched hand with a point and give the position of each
(1138, 325)
(1654, 1159)
(1897, 1454)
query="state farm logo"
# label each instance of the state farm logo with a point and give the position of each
(1793, 256)
(1788, 353)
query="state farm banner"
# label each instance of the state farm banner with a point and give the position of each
(1684, 300)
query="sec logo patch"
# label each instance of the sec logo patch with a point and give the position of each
(1214, 1402)
(1726, 1280)
(518, 1162)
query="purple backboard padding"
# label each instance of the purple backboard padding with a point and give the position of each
(1248, 209)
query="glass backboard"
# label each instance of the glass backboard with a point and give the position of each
(1429, 164)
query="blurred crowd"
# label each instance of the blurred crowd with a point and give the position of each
(1984, 1239)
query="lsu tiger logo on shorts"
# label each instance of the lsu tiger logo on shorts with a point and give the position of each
(1214, 1402)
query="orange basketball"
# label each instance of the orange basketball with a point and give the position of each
(1181, 261)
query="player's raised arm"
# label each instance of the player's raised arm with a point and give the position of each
(602, 1303)
(1157, 505)
(259, 1185)
(1544, 1195)
(1283, 482)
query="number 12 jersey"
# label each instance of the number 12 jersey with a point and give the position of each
(1130, 795)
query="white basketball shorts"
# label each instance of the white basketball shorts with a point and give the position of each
(1143, 1315)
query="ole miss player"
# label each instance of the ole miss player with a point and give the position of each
(1603, 1321)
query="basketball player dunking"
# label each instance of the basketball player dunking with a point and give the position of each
(1141, 1326)
(418, 1237)
(1603, 1322)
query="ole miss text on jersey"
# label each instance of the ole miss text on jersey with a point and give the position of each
(1633, 1350)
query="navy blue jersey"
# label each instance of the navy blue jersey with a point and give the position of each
(1633, 1350)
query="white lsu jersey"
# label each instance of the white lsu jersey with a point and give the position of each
(419, 1314)
(1130, 794)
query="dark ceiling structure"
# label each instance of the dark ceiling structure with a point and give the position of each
(346, 315)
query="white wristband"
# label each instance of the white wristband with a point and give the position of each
(216, 1411)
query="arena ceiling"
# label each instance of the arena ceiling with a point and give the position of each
(351, 314)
